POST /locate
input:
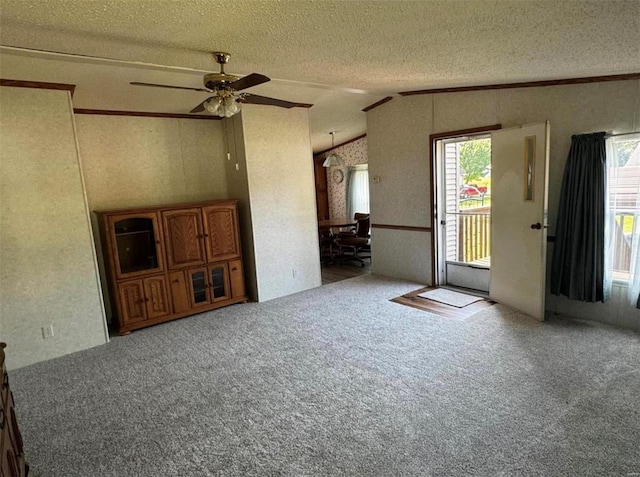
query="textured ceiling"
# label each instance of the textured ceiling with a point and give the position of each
(374, 47)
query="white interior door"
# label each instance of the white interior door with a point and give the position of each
(519, 177)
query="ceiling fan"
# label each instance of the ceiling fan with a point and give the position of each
(226, 98)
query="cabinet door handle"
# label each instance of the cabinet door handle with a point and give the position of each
(205, 235)
(175, 280)
(233, 269)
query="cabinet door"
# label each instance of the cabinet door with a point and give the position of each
(15, 437)
(219, 282)
(132, 302)
(183, 237)
(156, 297)
(199, 293)
(8, 461)
(136, 245)
(236, 277)
(221, 232)
(179, 292)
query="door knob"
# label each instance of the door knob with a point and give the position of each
(536, 226)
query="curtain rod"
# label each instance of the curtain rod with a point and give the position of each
(622, 134)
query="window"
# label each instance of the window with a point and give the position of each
(623, 206)
(358, 190)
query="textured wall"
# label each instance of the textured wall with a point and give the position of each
(48, 272)
(282, 194)
(237, 183)
(137, 161)
(353, 153)
(398, 136)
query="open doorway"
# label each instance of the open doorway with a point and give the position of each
(463, 218)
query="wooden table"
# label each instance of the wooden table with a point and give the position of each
(327, 225)
(336, 223)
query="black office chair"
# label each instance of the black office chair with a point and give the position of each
(356, 242)
(352, 232)
(327, 240)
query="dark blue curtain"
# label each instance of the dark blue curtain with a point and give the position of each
(577, 269)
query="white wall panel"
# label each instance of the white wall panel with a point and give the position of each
(138, 161)
(282, 195)
(402, 254)
(48, 273)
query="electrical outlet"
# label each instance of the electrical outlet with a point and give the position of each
(47, 332)
(294, 272)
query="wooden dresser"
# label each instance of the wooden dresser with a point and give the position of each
(171, 261)
(14, 463)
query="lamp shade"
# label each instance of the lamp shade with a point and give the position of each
(333, 159)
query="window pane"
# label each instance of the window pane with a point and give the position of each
(624, 201)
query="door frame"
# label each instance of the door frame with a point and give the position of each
(433, 157)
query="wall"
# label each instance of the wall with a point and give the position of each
(398, 149)
(138, 161)
(48, 270)
(353, 153)
(237, 181)
(282, 196)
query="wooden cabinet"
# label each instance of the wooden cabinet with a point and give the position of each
(184, 237)
(236, 277)
(208, 285)
(144, 299)
(172, 261)
(221, 239)
(12, 458)
(137, 245)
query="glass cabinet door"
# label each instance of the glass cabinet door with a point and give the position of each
(219, 282)
(136, 243)
(198, 287)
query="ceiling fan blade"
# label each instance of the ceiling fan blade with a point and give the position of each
(254, 79)
(255, 99)
(137, 83)
(200, 107)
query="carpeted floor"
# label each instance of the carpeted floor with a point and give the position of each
(339, 381)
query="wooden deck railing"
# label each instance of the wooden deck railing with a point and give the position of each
(622, 248)
(474, 239)
(474, 236)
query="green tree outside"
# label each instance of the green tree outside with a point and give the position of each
(475, 158)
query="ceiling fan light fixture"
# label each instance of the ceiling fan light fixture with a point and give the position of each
(213, 105)
(231, 106)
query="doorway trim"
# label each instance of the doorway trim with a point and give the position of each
(433, 157)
